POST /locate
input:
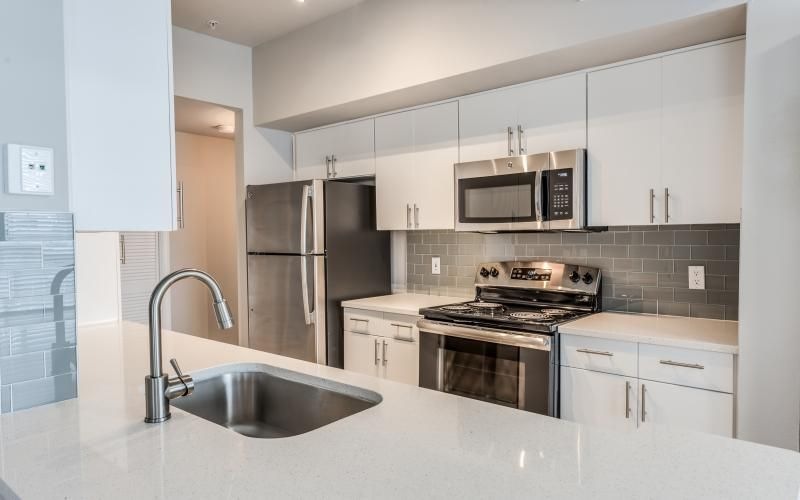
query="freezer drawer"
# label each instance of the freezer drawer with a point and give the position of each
(286, 317)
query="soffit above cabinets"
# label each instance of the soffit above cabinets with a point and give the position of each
(252, 22)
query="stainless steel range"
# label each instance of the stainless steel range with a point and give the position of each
(502, 347)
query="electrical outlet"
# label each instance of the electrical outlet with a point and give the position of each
(697, 278)
(436, 265)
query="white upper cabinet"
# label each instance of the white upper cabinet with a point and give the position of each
(624, 142)
(487, 125)
(552, 114)
(120, 123)
(340, 151)
(549, 115)
(702, 125)
(415, 152)
(672, 125)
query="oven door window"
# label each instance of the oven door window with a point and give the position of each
(480, 370)
(497, 198)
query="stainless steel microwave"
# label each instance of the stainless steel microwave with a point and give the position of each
(539, 192)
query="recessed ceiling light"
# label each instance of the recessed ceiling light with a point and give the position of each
(225, 129)
(301, 1)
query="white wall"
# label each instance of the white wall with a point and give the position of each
(206, 167)
(220, 72)
(769, 327)
(97, 279)
(32, 95)
(395, 53)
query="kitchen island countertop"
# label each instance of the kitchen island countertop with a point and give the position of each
(416, 443)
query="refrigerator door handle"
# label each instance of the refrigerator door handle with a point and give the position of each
(307, 311)
(304, 199)
(319, 312)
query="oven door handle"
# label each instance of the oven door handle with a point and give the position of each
(505, 337)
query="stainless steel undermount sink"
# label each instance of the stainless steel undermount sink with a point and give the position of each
(263, 401)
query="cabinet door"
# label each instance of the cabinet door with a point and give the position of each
(122, 169)
(552, 114)
(394, 170)
(685, 407)
(598, 399)
(435, 153)
(483, 125)
(362, 353)
(354, 149)
(401, 361)
(624, 141)
(311, 150)
(702, 133)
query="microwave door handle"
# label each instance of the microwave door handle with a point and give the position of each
(537, 194)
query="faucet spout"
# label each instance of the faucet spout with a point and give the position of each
(159, 388)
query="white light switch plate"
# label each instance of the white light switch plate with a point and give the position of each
(436, 265)
(697, 278)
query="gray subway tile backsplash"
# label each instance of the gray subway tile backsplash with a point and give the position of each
(37, 309)
(645, 268)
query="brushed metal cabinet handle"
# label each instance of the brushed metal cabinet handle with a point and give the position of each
(384, 353)
(520, 136)
(599, 353)
(669, 362)
(376, 352)
(652, 210)
(416, 216)
(122, 257)
(181, 213)
(408, 215)
(328, 166)
(510, 141)
(644, 411)
(666, 204)
(333, 165)
(627, 399)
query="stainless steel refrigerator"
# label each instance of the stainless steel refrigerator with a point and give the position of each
(311, 245)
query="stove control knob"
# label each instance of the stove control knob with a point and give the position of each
(574, 276)
(484, 272)
(588, 278)
(494, 272)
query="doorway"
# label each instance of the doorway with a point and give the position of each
(208, 229)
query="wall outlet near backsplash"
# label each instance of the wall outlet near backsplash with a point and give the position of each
(645, 268)
(697, 278)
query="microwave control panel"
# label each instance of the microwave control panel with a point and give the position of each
(558, 193)
(531, 274)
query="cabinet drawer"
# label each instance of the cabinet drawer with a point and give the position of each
(400, 327)
(688, 367)
(602, 355)
(361, 321)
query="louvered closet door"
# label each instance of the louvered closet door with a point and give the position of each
(139, 273)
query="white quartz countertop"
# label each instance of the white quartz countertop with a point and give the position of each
(401, 303)
(691, 333)
(416, 443)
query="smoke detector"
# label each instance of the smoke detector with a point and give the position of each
(212, 24)
(225, 129)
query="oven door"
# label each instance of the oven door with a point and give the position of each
(505, 194)
(500, 367)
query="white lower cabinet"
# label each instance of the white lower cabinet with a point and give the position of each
(611, 400)
(686, 407)
(599, 399)
(383, 345)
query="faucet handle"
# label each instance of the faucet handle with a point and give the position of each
(176, 367)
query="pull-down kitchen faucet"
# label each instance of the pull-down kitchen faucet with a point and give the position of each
(159, 389)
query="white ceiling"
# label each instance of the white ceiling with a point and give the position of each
(253, 22)
(198, 117)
